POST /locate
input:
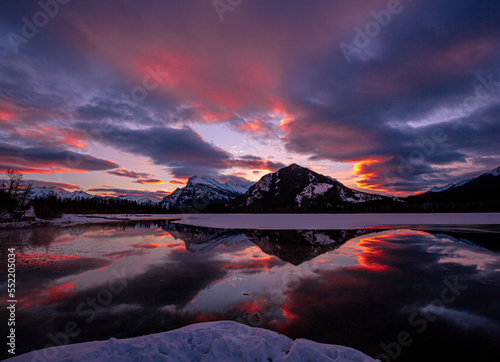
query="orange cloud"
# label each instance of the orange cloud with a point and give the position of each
(367, 174)
(152, 181)
(177, 182)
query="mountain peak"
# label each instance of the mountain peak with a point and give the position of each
(203, 191)
(294, 166)
(196, 180)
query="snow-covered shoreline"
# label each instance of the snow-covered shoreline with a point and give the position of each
(79, 219)
(210, 341)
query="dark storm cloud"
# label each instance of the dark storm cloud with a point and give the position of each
(47, 158)
(182, 150)
(434, 56)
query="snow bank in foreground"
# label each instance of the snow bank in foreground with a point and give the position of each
(333, 221)
(213, 341)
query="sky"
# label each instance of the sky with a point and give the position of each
(127, 97)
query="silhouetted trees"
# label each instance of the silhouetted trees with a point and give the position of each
(14, 193)
(53, 206)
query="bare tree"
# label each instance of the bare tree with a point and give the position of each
(14, 192)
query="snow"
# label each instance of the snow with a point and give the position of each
(317, 238)
(332, 221)
(240, 189)
(311, 191)
(264, 184)
(440, 189)
(212, 341)
(461, 183)
(357, 197)
(495, 172)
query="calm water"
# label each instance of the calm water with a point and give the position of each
(439, 291)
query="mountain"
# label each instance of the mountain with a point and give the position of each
(298, 189)
(201, 192)
(481, 193)
(482, 189)
(42, 192)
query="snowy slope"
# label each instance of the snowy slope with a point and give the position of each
(450, 186)
(495, 172)
(202, 191)
(213, 341)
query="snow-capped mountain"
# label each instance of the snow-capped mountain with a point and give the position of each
(140, 199)
(82, 195)
(49, 191)
(42, 192)
(295, 187)
(481, 193)
(450, 186)
(493, 173)
(201, 192)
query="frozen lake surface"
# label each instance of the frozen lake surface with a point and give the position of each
(332, 221)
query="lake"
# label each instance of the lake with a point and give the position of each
(408, 294)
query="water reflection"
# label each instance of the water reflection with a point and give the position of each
(352, 287)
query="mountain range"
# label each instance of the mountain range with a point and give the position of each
(42, 192)
(296, 189)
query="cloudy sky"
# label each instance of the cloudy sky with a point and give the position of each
(384, 95)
